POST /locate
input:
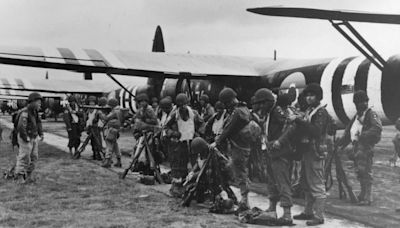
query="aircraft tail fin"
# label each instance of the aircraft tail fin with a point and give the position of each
(155, 84)
(158, 42)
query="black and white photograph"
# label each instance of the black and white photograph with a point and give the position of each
(189, 113)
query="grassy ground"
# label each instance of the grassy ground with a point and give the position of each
(77, 193)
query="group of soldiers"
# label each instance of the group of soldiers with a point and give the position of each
(274, 138)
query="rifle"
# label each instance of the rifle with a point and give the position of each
(341, 176)
(82, 147)
(155, 168)
(144, 145)
(191, 191)
(95, 107)
(135, 158)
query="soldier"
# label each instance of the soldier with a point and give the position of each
(145, 118)
(93, 129)
(163, 115)
(164, 111)
(113, 124)
(216, 122)
(279, 155)
(363, 131)
(206, 109)
(314, 126)
(185, 123)
(102, 114)
(73, 121)
(29, 129)
(239, 147)
(218, 174)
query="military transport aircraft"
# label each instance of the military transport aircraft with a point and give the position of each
(169, 74)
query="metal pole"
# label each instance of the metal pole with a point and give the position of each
(120, 84)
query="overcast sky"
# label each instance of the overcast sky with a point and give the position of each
(221, 27)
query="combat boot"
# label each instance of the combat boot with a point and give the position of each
(286, 219)
(271, 211)
(368, 196)
(118, 164)
(243, 204)
(272, 206)
(98, 156)
(319, 213)
(361, 196)
(20, 178)
(106, 163)
(308, 213)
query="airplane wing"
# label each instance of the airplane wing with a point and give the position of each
(130, 63)
(15, 95)
(341, 15)
(18, 85)
(150, 64)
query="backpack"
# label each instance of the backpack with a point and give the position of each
(14, 133)
(251, 132)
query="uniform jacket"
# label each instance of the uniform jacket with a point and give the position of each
(209, 125)
(114, 118)
(145, 119)
(277, 128)
(239, 118)
(29, 124)
(371, 130)
(68, 119)
(314, 131)
(207, 112)
(97, 117)
(147, 115)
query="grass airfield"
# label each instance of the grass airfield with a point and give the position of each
(80, 193)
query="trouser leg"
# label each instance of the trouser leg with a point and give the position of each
(24, 156)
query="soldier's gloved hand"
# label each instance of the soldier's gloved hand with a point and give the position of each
(41, 138)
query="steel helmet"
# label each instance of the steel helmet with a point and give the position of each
(113, 102)
(227, 95)
(262, 95)
(181, 99)
(34, 96)
(314, 88)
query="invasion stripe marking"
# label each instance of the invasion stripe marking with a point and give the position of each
(374, 91)
(132, 102)
(360, 81)
(53, 55)
(82, 57)
(68, 56)
(349, 80)
(20, 83)
(336, 90)
(121, 96)
(97, 58)
(326, 84)
(5, 83)
(112, 59)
